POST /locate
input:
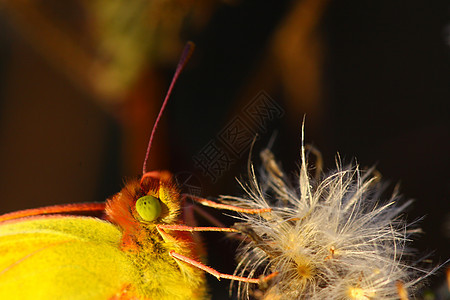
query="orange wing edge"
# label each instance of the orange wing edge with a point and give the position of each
(54, 209)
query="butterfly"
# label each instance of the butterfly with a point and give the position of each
(141, 249)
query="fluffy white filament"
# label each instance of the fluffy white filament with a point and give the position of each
(330, 238)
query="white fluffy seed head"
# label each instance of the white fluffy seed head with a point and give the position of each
(331, 238)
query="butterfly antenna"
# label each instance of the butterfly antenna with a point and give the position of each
(187, 52)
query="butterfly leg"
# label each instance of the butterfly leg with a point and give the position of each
(189, 210)
(162, 227)
(210, 218)
(216, 273)
(191, 220)
(213, 204)
(169, 238)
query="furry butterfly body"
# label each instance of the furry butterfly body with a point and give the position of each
(90, 258)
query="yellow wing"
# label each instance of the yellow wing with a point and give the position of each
(62, 258)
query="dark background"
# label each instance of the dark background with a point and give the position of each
(385, 91)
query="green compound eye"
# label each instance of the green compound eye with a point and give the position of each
(148, 207)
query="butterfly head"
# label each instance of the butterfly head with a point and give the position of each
(152, 200)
